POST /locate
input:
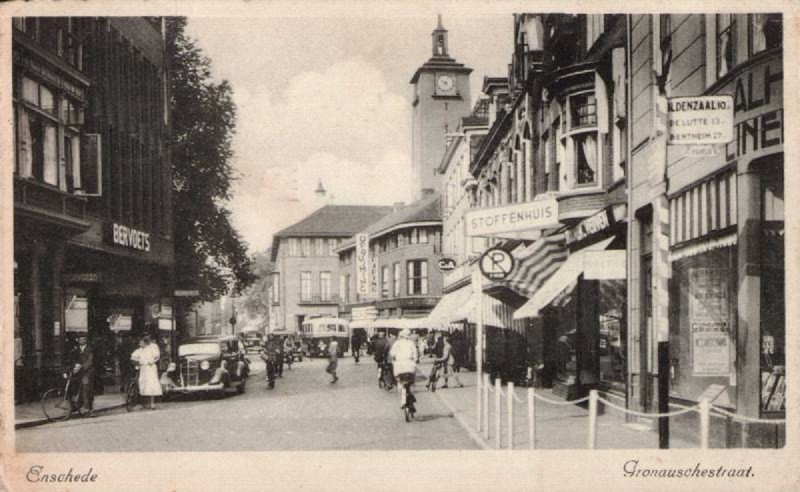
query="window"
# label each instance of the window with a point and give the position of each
(586, 159)
(294, 246)
(305, 286)
(583, 110)
(594, 28)
(417, 277)
(665, 39)
(276, 290)
(423, 236)
(726, 54)
(414, 236)
(343, 288)
(396, 280)
(319, 244)
(333, 243)
(765, 32)
(306, 246)
(325, 286)
(384, 281)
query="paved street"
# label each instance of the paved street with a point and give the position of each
(303, 412)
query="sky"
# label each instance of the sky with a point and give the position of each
(328, 99)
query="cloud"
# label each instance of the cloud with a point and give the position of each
(341, 126)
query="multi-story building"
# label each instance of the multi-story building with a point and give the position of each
(304, 254)
(441, 97)
(93, 249)
(706, 249)
(404, 282)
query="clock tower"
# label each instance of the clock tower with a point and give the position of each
(441, 98)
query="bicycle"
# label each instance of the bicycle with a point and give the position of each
(132, 395)
(407, 396)
(386, 378)
(60, 403)
(434, 376)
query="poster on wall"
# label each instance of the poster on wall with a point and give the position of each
(709, 320)
(76, 315)
(711, 354)
(120, 322)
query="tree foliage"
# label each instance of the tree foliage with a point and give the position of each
(210, 255)
(255, 299)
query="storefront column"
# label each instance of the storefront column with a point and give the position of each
(748, 346)
(57, 253)
(588, 331)
(37, 256)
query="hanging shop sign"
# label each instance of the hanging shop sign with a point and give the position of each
(700, 120)
(128, 237)
(76, 314)
(362, 264)
(494, 221)
(120, 322)
(446, 264)
(596, 226)
(496, 264)
(186, 293)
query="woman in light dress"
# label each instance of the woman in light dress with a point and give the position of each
(147, 356)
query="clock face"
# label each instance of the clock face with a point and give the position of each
(445, 82)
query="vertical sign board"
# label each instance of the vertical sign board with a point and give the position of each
(709, 322)
(362, 264)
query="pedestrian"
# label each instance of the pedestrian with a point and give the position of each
(279, 362)
(446, 360)
(85, 371)
(147, 356)
(356, 349)
(333, 359)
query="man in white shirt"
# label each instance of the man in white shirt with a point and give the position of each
(404, 355)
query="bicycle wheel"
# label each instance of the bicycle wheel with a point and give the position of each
(131, 396)
(408, 413)
(55, 405)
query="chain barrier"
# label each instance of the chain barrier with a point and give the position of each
(651, 415)
(554, 402)
(751, 420)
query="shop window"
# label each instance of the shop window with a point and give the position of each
(773, 295)
(417, 277)
(725, 42)
(586, 159)
(703, 322)
(765, 32)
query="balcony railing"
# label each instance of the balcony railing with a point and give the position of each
(50, 204)
(318, 299)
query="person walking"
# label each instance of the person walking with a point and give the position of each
(333, 359)
(356, 348)
(147, 356)
(446, 360)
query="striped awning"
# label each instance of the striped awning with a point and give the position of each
(703, 209)
(536, 263)
(452, 307)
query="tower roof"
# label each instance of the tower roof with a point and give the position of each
(440, 58)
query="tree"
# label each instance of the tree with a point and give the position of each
(255, 299)
(210, 255)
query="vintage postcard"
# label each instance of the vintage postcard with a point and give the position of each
(398, 245)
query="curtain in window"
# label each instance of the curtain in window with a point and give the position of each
(589, 148)
(50, 155)
(76, 161)
(25, 140)
(758, 28)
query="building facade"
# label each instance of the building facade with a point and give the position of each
(706, 248)
(303, 281)
(92, 188)
(403, 282)
(441, 97)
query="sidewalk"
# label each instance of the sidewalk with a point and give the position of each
(557, 426)
(31, 414)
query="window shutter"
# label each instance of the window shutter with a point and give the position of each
(91, 175)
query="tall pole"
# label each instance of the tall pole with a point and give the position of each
(477, 290)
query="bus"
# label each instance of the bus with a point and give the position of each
(318, 333)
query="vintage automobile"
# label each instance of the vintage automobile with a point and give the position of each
(207, 364)
(252, 340)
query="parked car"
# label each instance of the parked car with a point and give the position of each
(252, 340)
(208, 364)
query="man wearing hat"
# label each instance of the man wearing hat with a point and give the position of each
(84, 368)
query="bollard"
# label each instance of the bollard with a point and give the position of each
(498, 438)
(592, 444)
(531, 420)
(479, 403)
(486, 384)
(705, 409)
(510, 416)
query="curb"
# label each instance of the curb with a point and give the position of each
(480, 441)
(36, 423)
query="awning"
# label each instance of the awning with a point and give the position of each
(536, 263)
(452, 307)
(593, 262)
(361, 323)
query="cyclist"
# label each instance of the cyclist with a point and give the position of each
(445, 362)
(269, 354)
(403, 355)
(379, 353)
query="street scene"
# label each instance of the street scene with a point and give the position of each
(516, 231)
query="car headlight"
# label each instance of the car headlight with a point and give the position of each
(205, 365)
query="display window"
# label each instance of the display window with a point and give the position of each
(703, 323)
